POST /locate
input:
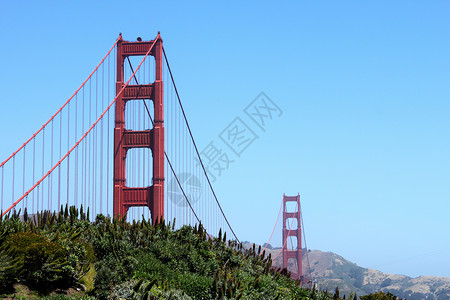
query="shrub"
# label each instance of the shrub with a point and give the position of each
(196, 286)
(379, 296)
(43, 264)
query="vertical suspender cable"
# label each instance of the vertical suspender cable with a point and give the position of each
(43, 164)
(68, 147)
(101, 145)
(23, 174)
(107, 143)
(94, 147)
(179, 155)
(59, 167)
(185, 163)
(68, 176)
(50, 198)
(3, 173)
(94, 150)
(34, 169)
(75, 193)
(89, 142)
(83, 151)
(3, 177)
(137, 153)
(172, 215)
(14, 169)
(144, 162)
(37, 200)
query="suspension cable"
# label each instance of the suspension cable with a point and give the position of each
(273, 230)
(195, 146)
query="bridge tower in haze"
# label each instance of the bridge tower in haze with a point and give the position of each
(288, 231)
(124, 139)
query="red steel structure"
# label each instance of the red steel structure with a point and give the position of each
(151, 196)
(287, 232)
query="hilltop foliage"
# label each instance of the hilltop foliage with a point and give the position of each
(112, 259)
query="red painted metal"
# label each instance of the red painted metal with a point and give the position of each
(152, 196)
(295, 254)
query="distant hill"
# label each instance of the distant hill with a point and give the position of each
(331, 270)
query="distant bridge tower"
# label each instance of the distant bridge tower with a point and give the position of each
(124, 140)
(295, 254)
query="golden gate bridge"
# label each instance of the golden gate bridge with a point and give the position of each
(121, 145)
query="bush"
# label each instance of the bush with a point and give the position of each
(196, 286)
(379, 296)
(42, 264)
(54, 251)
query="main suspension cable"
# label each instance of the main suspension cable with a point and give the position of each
(195, 145)
(274, 227)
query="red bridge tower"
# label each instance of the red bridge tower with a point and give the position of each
(295, 254)
(151, 196)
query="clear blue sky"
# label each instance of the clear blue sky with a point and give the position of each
(363, 86)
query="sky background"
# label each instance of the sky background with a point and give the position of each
(363, 86)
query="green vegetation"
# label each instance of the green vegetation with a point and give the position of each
(54, 253)
(379, 296)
